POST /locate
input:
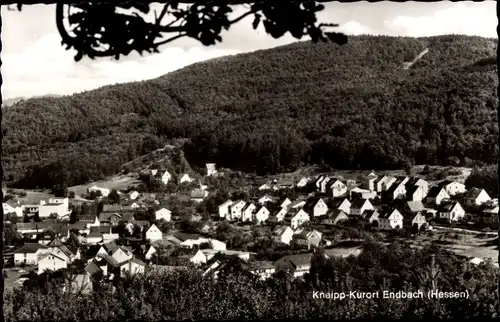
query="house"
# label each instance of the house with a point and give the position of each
(235, 209)
(163, 177)
(285, 203)
(29, 253)
(415, 181)
(337, 189)
(359, 206)
(300, 218)
(185, 178)
(132, 195)
(302, 182)
(224, 209)
(198, 195)
(132, 266)
(490, 211)
(104, 191)
(79, 284)
(280, 215)
(51, 262)
(154, 233)
(451, 211)
(390, 219)
(150, 252)
(318, 181)
(453, 188)
(371, 216)
(94, 238)
(211, 170)
(307, 238)
(396, 191)
(58, 206)
(369, 183)
(102, 264)
(163, 214)
(359, 193)
(198, 258)
(247, 212)
(317, 207)
(416, 220)
(285, 183)
(344, 205)
(335, 216)
(12, 206)
(264, 199)
(476, 197)
(214, 244)
(324, 184)
(263, 269)
(436, 195)
(283, 234)
(379, 183)
(415, 193)
(298, 264)
(262, 215)
(89, 221)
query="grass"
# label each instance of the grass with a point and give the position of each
(117, 182)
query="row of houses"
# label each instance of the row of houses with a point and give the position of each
(54, 206)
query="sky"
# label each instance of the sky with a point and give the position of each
(35, 63)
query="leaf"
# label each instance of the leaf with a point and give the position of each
(256, 21)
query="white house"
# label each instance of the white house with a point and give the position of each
(235, 209)
(198, 258)
(476, 197)
(283, 234)
(337, 189)
(452, 187)
(285, 203)
(280, 215)
(132, 266)
(320, 208)
(302, 182)
(165, 177)
(396, 191)
(262, 215)
(391, 219)
(369, 183)
(415, 193)
(359, 206)
(12, 207)
(154, 233)
(324, 184)
(59, 206)
(345, 206)
(164, 214)
(133, 195)
(224, 209)
(299, 219)
(151, 251)
(247, 212)
(104, 191)
(29, 253)
(491, 211)
(185, 178)
(436, 195)
(452, 211)
(51, 262)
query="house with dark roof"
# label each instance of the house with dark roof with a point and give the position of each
(298, 264)
(414, 207)
(29, 253)
(132, 266)
(263, 269)
(476, 197)
(283, 234)
(94, 237)
(416, 220)
(307, 238)
(198, 195)
(396, 191)
(451, 211)
(359, 206)
(390, 219)
(453, 188)
(371, 216)
(51, 262)
(437, 195)
(415, 193)
(334, 217)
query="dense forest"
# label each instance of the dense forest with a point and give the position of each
(236, 295)
(350, 106)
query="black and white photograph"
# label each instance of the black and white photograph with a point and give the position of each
(249, 160)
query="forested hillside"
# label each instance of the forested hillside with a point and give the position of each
(351, 106)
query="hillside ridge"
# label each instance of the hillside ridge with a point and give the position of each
(274, 110)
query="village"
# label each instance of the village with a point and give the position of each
(131, 232)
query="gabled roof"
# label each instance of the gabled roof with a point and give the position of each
(50, 254)
(92, 268)
(370, 213)
(110, 247)
(387, 213)
(445, 183)
(280, 230)
(78, 226)
(30, 248)
(447, 206)
(298, 259)
(415, 206)
(434, 192)
(358, 203)
(411, 189)
(335, 213)
(94, 234)
(473, 193)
